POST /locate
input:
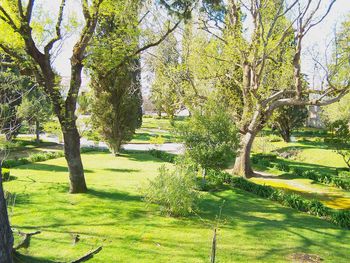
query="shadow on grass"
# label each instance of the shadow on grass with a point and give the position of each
(120, 170)
(113, 195)
(47, 167)
(20, 258)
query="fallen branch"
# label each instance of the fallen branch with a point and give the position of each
(26, 239)
(88, 255)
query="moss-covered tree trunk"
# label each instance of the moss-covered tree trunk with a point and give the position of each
(6, 237)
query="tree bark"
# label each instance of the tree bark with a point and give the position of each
(72, 154)
(243, 165)
(37, 131)
(6, 237)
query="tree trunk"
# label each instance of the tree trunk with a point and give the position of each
(285, 135)
(37, 131)
(242, 165)
(72, 154)
(6, 237)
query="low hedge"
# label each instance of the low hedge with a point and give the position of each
(164, 156)
(313, 207)
(38, 157)
(342, 180)
(5, 174)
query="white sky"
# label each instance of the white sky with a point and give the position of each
(316, 39)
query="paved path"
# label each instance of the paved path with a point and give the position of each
(176, 148)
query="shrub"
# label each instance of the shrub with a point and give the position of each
(174, 191)
(214, 180)
(39, 157)
(338, 181)
(210, 137)
(272, 157)
(164, 156)
(345, 174)
(5, 174)
(282, 167)
(264, 163)
(297, 171)
(273, 138)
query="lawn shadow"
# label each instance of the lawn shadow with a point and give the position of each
(120, 170)
(21, 258)
(113, 195)
(46, 167)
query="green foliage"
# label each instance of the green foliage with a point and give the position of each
(5, 174)
(115, 74)
(340, 138)
(210, 137)
(164, 156)
(282, 167)
(288, 118)
(314, 207)
(53, 127)
(342, 180)
(174, 191)
(39, 157)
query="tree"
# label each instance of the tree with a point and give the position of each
(209, 136)
(117, 100)
(16, 20)
(277, 29)
(6, 236)
(11, 90)
(340, 136)
(19, 42)
(288, 118)
(165, 86)
(36, 109)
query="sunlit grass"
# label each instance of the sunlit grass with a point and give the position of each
(112, 214)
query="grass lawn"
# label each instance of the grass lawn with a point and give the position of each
(313, 155)
(113, 215)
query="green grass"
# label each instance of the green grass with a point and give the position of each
(313, 155)
(113, 215)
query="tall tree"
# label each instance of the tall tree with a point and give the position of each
(258, 57)
(117, 100)
(16, 19)
(18, 42)
(6, 236)
(288, 118)
(36, 109)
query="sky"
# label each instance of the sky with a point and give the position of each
(316, 40)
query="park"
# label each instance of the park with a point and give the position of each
(174, 131)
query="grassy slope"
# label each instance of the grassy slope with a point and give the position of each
(113, 215)
(313, 155)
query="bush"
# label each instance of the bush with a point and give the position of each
(5, 174)
(214, 180)
(272, 157)
(210, 137)
(342, 181)
(39, 157)
(174, 191)
(345, 174)
(164, 156)
(297, 171)
(274, 138)
(264, 163)
(282, 167)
